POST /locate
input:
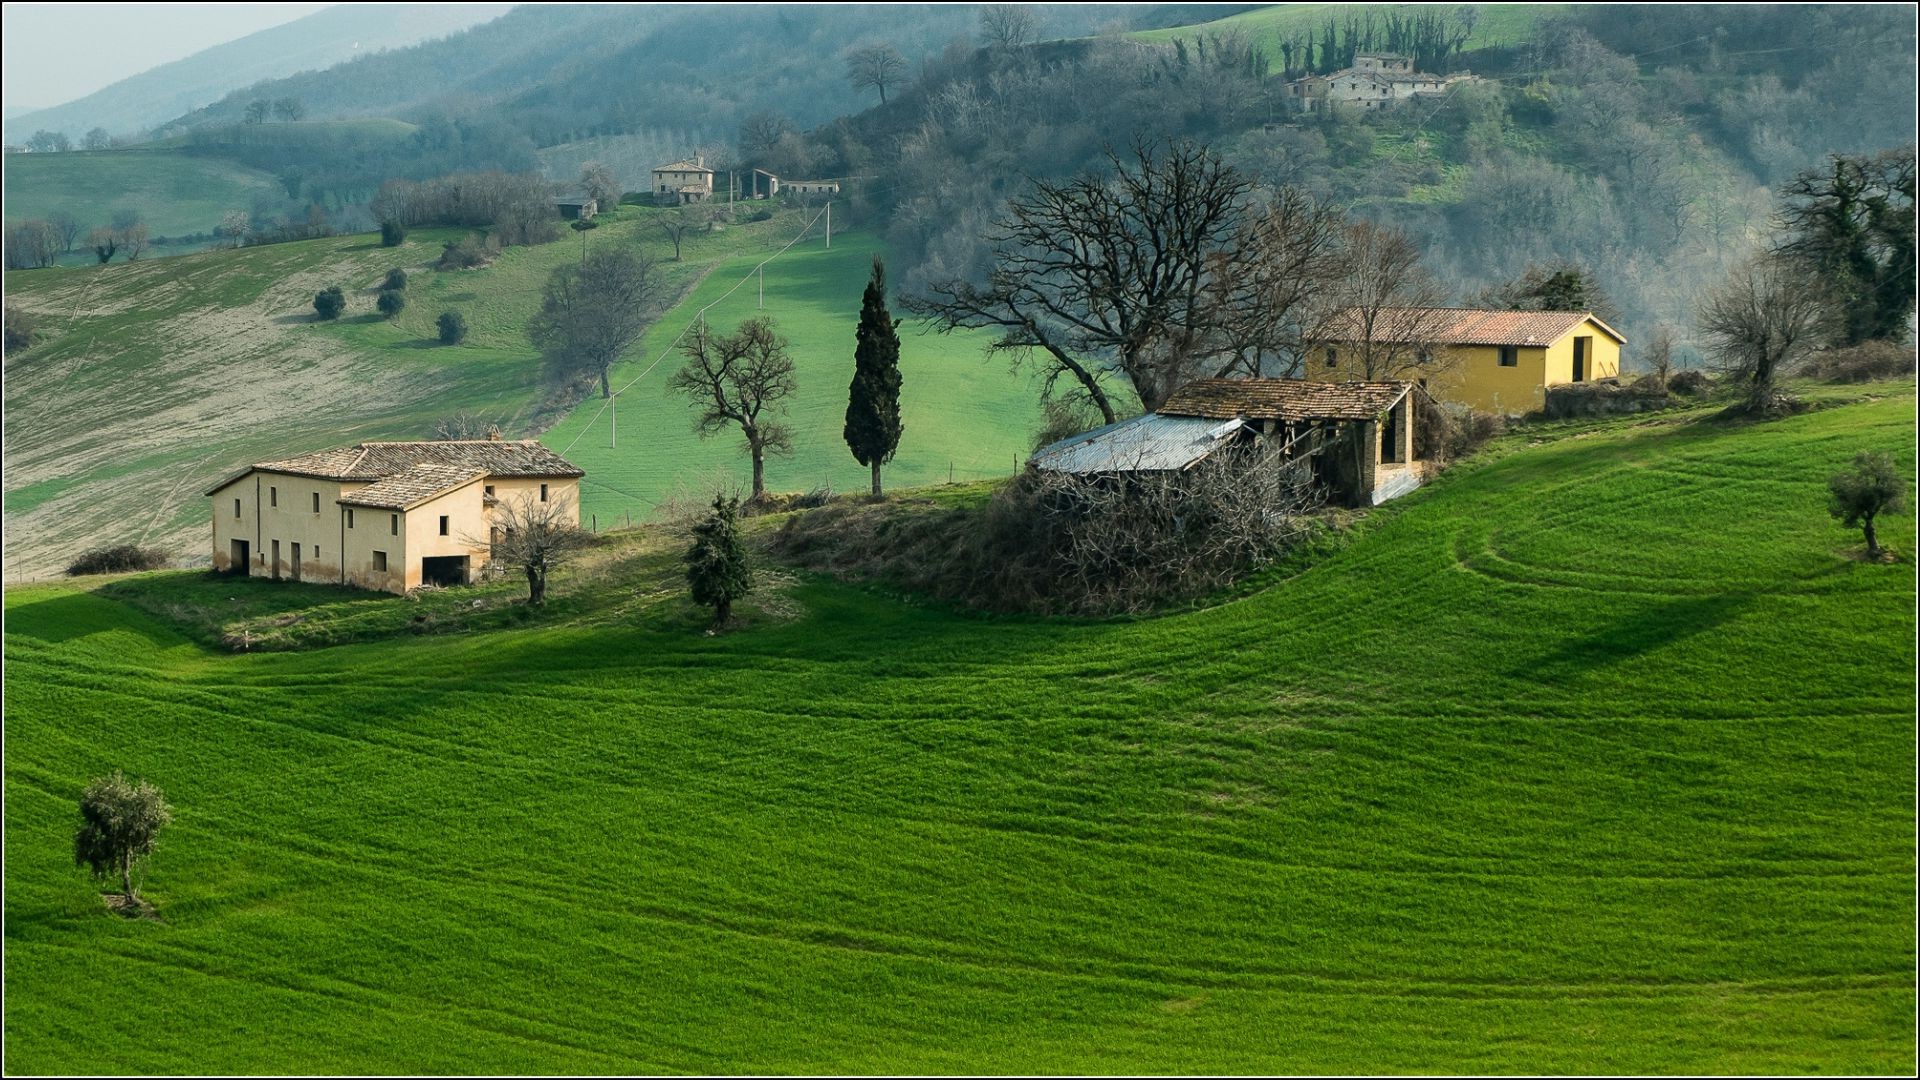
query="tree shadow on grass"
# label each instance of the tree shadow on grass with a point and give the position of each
(1637, 634)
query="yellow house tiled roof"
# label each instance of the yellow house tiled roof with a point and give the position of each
(683, 166)
(1470, 326)
(1283, 399)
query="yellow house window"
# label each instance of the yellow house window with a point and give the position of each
(349, 517)
(394, 524)
(380, 560)
(443, 524)
(236, 508)
(273, 496)
(316, 502)
(1509, 356)
(1333, 356)
(543, 493)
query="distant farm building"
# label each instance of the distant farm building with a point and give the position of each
(576, 207)
(1495, 361)
(1375, 81)
(383, 515)
(1356, 439)
(683, 182)
(763, 184)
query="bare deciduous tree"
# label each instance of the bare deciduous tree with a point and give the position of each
(31, 244)
(741, 380)
(1767, 315)
(1390, 308)
(67, 227)
(534, 537)
(592, 312)
(876, 66)
(599, 184)
(676, 224)
(133, 240)
(1162, 274)
(1006, 26)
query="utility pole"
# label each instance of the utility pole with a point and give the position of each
(763, 286)
(829, 224)
(613, 404)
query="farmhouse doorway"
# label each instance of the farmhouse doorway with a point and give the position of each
(241, 559)
(296, 562)
(444, 570)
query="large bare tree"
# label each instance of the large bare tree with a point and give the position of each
(741, 380)
(1006, 26)
(1165, 272)
(1769, 313)
(876, 66)
(1391, 311)
(592, 312)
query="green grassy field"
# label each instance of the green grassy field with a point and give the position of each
(1596, 755)
(962, 414)
(176, 194)
(1495, 24)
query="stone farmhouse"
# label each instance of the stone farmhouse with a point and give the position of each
(384, 515)
(1375, 81)
(1356, 439)
(683, 182)
(1495, 361)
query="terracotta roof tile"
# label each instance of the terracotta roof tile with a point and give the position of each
(379, 460)
(416, 485)
(683, 166)
(1470, 326)
(1283, 399)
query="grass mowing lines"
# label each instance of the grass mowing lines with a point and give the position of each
(1384, 815)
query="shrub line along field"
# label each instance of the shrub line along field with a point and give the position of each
(1596, 755)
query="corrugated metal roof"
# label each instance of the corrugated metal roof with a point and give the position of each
(1150, 443)
(1284, 399)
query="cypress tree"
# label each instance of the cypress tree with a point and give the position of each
(717, 567)
(873, 401)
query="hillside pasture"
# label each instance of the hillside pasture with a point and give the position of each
(1596, 755)
(173, 192)
(964, 416)
(1267, 27)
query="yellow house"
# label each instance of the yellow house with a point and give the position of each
(384, 515)
(1494, 361)
(683, 182)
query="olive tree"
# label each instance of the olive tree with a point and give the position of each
(1871, 486)
(119, 822)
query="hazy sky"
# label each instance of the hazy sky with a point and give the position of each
(54, 53)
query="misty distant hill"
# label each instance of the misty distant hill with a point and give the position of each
(320, 40)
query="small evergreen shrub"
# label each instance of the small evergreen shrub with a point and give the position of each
(453, 327)
(396, 279)
(329, 302)
(117, 559)
(392, 234)
(391, 302)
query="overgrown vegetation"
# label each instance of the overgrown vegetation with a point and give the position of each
(117, 559)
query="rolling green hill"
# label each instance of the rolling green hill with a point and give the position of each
(1596, 755)
(1494, 24)
(175, 193)
(158, 377)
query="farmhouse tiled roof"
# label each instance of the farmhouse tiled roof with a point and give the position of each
(373, 461)
(1468, 326)
(405, 490)
(1283, 399)
(683, 166)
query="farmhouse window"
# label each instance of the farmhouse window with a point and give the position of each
(316, 502)
(236, 508)
(393, 523)
(349, 517)
(273, 496)
(489, 491)
(1333, 356)
(1509, 356)
(380, 560)
(443, 524)
(543, 493)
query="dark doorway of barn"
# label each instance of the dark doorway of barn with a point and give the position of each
(241, 561)
(444, 570)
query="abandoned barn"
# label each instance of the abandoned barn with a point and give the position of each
(1355, 439)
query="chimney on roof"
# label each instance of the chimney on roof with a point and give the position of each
(493, 432)
(700, 160)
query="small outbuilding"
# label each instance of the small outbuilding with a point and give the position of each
(1356, 439)
(576, 207)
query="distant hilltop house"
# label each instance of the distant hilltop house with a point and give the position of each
(576, 206)
(1375, 81)
(1495, 361)
(1356, 439)
(683, 182)
(383, 515)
